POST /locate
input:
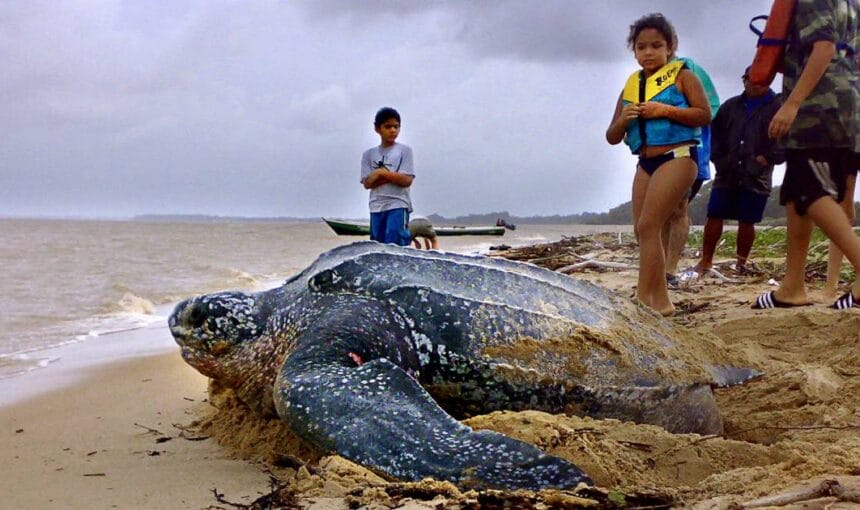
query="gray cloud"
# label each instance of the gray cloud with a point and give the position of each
(263, 108)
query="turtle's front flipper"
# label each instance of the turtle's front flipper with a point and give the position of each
(379, 416)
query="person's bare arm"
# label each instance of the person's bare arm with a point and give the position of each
(373, 179)
(696, 115)
(382, 176)
(623, 115)
(400, 179)
(816, 66)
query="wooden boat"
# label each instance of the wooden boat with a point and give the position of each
(360, 228)
(347, 227)
(469, 230)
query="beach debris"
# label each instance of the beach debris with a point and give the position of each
(288, 494)
(150, 430)
(619, 251)
(824, 489)
(274, 499)
(600, 252)
(688, 307)
(162, 437)
(192, 438)
(190, 433)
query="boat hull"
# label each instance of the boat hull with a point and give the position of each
(357, 228)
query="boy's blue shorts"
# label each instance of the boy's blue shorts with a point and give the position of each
(391, 226)
(736, 204)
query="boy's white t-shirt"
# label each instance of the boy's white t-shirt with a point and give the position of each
(397, 158)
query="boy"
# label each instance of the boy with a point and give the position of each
(818, 119)
(387, 171)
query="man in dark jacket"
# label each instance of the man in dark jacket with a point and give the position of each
(744, 157)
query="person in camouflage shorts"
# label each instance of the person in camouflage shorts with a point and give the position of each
(819, 123)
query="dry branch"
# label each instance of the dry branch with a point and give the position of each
(600, 264)
(824, 489)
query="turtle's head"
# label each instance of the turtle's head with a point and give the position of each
(214, 330)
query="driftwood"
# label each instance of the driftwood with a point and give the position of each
(825, 489)
(596, 264)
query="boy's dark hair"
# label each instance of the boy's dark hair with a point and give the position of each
(384, 114)
(659, 23)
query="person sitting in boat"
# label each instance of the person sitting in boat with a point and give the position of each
(420, 227)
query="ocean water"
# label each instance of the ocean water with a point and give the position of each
(72, 282)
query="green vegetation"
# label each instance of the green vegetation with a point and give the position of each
(771, 242)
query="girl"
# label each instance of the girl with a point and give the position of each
(658, 115)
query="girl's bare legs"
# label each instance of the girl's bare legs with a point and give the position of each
(640, 188)
(664, 189)
(834, 256)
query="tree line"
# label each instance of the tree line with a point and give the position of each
(774, 214)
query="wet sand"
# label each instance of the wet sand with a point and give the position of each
(115, 439)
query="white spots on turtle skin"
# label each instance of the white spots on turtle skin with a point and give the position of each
(441, 351)
(423, 295)
(423, 347)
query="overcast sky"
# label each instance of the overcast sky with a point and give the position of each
(262, 108)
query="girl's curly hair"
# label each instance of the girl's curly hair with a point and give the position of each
(656, 21)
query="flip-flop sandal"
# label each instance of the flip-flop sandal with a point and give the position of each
(689, 275)
(672, 282)
(768, 300)
(846, 301)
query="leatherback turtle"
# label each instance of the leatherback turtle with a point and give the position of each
(373, 350)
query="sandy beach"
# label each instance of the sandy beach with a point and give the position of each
(116, 440)
(143, 433)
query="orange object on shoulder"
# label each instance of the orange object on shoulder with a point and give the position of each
(771, 43)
